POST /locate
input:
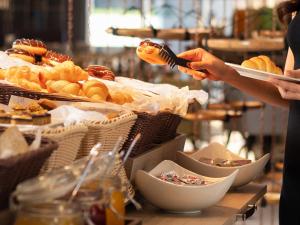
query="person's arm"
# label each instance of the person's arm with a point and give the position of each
(218, 70)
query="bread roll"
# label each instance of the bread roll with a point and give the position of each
(63, 86)
(120, 98)
(95, 90)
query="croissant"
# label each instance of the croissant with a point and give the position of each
(95, 90)
(2, 74)
(65, 71)
(263, 63)
(120, 98)
(15, 73)
(63, 86)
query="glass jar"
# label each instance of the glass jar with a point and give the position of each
(54, 213)
(103, 201)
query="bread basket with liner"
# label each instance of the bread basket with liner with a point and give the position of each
(69, 140)
(16, 169)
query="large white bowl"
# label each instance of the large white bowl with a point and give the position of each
(180, 198)
(246, 172)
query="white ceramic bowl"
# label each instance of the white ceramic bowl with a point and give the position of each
(246, 172)
(180, 198)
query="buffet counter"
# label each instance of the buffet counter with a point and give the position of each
(226, 212)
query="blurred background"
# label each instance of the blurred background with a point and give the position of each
(107, 32)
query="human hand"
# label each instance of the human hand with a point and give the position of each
(201, 59)
(288, 90)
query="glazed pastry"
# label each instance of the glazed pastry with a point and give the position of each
(21, 54)
(149, 52)
(95, 90)
(263, 63)
(2, 74)
(53, 58)
(32, 46)
(67, 71)
(102, 72)
(63, 86)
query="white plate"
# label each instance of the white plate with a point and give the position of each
(181, 198)
(246, 173)
(260, 75)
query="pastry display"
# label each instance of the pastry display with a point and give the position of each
(32, 46)
(21, 54)
(95, 90)
(263, 63)
(173, 177)
(30, 114)
(53, 58)
(149, 52)
(224, 162)
(102, 72)
(63, 86)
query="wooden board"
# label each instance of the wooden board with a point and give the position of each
(224, 213)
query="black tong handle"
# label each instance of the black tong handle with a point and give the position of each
(185, 62)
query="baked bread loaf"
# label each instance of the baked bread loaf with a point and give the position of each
(263, 63)
(63, 86)
(149, 52)
(67, 71)
(53, 58)
(95, 90)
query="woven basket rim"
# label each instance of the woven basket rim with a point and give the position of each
(111, 122)
(65, 130)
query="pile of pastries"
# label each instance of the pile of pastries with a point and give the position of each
(56, 73)
(34, 113)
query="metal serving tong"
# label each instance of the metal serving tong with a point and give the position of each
(172, 60)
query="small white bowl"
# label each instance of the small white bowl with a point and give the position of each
(246, 173)
(181, 198)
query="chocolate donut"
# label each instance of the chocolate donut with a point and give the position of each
(149, 52)
(53, 58)
(21, 54)
(32, 46)
(102, 72)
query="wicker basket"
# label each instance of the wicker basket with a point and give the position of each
(15, 170)
(69, 139)
(107, 132)
(155, 129)
(7, 90)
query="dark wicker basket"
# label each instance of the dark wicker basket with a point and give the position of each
(7, 90)
(155, 129)
(15, 170)
(168, 127)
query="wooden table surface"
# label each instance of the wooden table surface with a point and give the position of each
(224, 213)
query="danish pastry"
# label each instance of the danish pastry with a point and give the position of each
(149, 52)
(32, 46)
(53, 58)
(21, 54)
(102, 72)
